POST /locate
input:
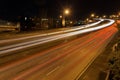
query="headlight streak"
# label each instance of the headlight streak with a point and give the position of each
(23, 45)
(52, 33)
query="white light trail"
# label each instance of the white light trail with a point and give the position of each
(19, 46)
(52, 33)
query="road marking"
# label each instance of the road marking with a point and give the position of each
(53, 71)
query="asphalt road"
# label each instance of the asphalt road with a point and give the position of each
(62, 62)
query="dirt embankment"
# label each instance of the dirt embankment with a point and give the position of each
(114, 60)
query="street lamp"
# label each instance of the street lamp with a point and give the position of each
(66, 12)
(92, 15)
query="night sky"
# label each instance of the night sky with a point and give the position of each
(79, 8)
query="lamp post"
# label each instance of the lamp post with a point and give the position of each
(66, 12)
(92, 15)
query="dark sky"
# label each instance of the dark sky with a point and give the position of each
(79, 8)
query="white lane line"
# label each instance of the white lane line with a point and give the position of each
(53, 71)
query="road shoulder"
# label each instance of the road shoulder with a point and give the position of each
(99, 68)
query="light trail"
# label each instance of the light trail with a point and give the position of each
(18, 66)
(61, 46)
(52, 33)
(19, 46)
(101, 38)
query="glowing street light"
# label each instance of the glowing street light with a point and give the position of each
(67, 11)
(92, 15)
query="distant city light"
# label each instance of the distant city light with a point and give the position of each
(111, 16)
(71, 22)
(119, 13)
(97, 16)
(44, 19)
(25, 18)
(60, 16)
(117, 16)
(87, 19)
(104, 16)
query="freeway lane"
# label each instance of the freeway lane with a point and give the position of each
(62, 62)
(17, 47)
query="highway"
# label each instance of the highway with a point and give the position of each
(62, 62)
(57, 32)
(37, 40)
